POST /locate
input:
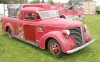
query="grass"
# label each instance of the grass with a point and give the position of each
(13, 50)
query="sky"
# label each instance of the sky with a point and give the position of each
(97, 2)
(64, 1)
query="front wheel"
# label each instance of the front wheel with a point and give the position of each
(55, 48)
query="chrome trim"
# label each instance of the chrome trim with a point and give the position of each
(81, 47)
(76, 34)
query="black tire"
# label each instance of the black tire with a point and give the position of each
(63, 17)
(9, 32)
(98, 12)
(55, 50)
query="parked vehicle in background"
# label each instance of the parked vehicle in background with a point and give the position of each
(74, 11)
(43, 28)
(98, 10)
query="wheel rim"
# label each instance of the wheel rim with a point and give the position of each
(54, 48)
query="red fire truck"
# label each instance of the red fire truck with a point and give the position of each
(74, 11)
(44, 29)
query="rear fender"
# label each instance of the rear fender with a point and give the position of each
(10, 26)
(57, 35)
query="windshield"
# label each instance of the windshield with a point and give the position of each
(79, 6)
(49, 14)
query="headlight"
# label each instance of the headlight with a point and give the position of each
(66, 32)
(85, 26)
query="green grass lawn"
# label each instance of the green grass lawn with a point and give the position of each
(13, 50)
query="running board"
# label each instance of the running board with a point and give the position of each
(29, 42)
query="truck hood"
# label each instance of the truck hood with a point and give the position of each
(61, 22)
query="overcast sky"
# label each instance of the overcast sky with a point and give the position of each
(97, 2)
(64, 1)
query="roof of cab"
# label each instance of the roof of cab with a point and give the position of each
(32, 9)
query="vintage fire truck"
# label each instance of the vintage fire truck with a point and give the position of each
(43, 28)
(74, 11)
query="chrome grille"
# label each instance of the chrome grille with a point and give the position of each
(76, 34)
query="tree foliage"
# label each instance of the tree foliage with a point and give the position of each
(12, 1)
(51, 2)
(36, 1)
(43, 1)
(88, 0)
(3, 1)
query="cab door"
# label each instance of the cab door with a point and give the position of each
(29, 26)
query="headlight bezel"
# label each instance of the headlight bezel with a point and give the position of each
(66, 32)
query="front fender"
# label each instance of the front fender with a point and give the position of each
(57, 35)
(87, 35)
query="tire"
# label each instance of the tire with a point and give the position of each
(9, 33)
(98, 12)
(63, 17)
(55, 48)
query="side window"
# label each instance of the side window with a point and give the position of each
(29, 16)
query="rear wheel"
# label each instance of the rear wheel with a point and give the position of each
(55, 48)
(9, 33)
(98, 12)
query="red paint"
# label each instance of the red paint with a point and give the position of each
(29, 32)
(39, 30)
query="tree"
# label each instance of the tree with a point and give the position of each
(16, 1)
(88, 0)
(51, 2)
(74, 2)
(43, 1)
(36, 1)
(12, 1)
(3, 1)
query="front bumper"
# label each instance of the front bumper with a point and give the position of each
(81, 47)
